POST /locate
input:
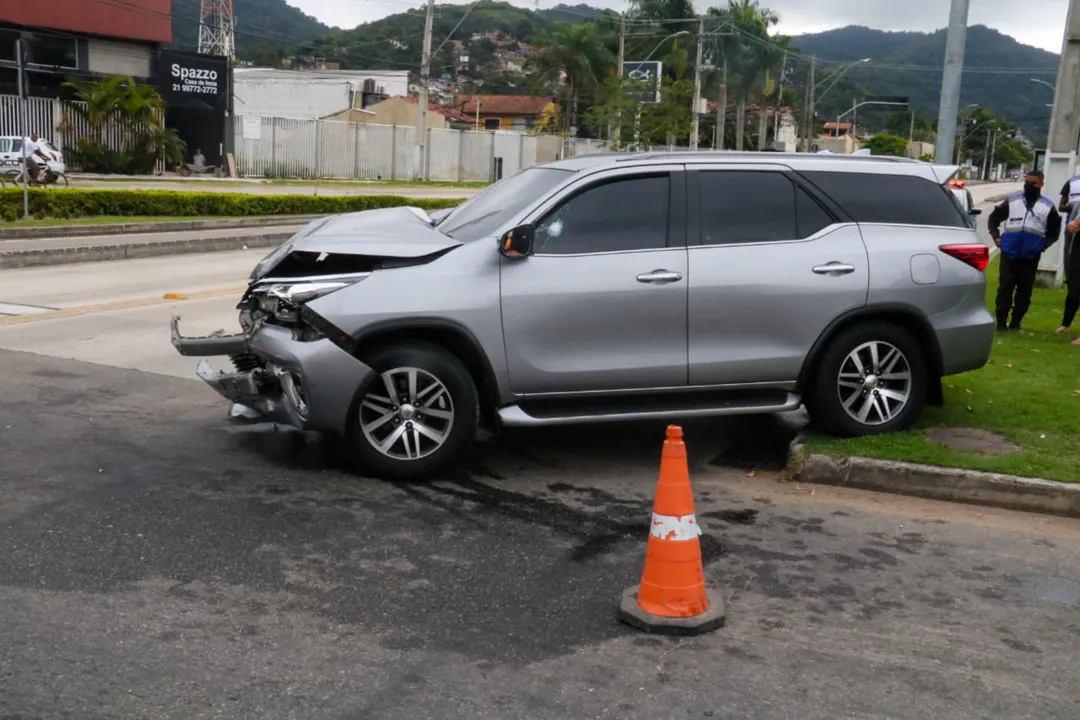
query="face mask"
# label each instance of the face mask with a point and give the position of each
(1031, 189)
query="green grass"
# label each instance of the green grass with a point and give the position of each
(1029, 393)
(102, 220)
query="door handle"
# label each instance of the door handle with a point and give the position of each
(659, 276)
(834, 268)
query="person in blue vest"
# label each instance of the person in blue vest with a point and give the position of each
(1031, 224)
(1070, 204)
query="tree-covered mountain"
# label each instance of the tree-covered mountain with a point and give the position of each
(998, 69)
(998, 72)
(258, 23)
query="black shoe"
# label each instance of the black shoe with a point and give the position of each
(1015, 326)
(1001, 328)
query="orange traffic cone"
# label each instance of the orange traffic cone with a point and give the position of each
(672, 598)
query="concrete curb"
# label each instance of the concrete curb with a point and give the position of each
(128, 251)
(934, 483)
(148, 227)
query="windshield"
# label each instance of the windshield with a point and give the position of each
(484, 213)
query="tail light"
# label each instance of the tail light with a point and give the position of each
(977, 256)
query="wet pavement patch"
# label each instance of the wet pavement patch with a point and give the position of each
(1048, 588)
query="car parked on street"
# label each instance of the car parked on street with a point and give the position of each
(614, 287)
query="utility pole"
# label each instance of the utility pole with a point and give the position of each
(695, 124)
(779, 99)
(808, 111)
(1064, 131)
(425, 72)
(986, 153)
(911, 135)
(24, 123)
(950, 81)
(721, 110)
(615, 133)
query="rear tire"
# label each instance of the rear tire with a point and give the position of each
(872, 379)
(416, 416)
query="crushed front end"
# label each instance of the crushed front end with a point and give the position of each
(290, 365)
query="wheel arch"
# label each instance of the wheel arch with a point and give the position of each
(448, 335)
(905, 316)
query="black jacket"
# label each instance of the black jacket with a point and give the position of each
(1000, 214)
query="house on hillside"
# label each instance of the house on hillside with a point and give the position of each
(507, 112)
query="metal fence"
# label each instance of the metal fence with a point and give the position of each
(49, 119)
(292, 148)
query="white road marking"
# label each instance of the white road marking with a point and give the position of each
(19, 309)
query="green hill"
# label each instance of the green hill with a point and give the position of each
(997, 71)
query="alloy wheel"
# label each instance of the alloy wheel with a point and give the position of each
(409, 416)
(874, 383)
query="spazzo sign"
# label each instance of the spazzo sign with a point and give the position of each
(194, 80)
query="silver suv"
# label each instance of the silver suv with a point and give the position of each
(616, 287)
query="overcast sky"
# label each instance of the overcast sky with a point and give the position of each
(1033, 22)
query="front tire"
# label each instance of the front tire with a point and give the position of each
(417, 416)
(872, 379)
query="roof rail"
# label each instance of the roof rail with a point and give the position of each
(713, 154)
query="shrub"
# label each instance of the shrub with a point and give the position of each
(65, 204)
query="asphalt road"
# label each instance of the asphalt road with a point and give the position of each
(161, 562)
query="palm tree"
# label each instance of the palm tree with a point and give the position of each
(748, 53)
(576, 57)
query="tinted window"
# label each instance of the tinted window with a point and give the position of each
(742, 207)
(896, 199)
(627, 214)
(812, 217)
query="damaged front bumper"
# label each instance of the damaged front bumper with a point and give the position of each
(309, 384)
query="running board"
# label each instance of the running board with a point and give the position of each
(536, 414)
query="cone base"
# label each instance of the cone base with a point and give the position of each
(632, 614)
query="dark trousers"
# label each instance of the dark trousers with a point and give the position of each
(1015, 283)
(1072, 278)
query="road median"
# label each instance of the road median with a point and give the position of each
(85, 230)
(115, 248)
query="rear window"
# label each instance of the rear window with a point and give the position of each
(892, 199)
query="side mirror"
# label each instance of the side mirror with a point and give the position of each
(517, 243)
(976, 211)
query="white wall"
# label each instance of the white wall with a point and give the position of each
(118, 58)
(306, 95)
(290, 98)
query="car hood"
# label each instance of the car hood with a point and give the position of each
(390, 232)
(397, 232)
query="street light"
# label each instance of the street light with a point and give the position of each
(661, 43)
(1043, 82)
(836, 78)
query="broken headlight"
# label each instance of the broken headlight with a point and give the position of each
(300, 292)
